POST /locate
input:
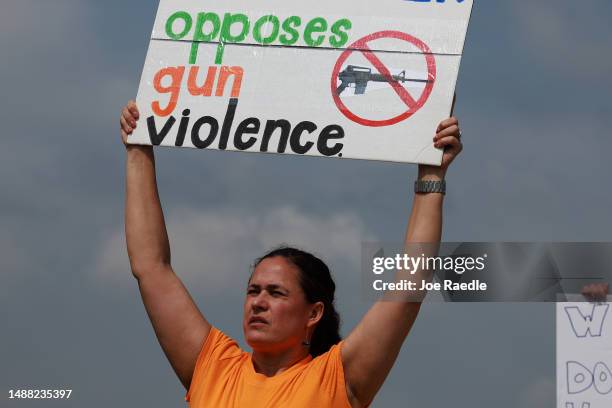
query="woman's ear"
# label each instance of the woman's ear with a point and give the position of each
(316, 313)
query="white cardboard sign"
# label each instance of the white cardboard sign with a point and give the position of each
(349, 79)
(584, 355)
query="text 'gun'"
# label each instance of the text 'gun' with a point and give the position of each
(359, 77)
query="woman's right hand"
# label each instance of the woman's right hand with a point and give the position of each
(128, 120)
(596, 292)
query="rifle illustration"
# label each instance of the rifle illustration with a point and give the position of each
(360, 76)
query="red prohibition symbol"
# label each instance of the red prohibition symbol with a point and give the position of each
(411, 103)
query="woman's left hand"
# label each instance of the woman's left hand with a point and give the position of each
(448, 137)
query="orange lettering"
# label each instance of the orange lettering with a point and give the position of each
(176, 74)
(226, 72)
(206, 89)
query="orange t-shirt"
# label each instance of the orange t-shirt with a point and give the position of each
(224, 377)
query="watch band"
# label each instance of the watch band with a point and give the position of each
(430, 186)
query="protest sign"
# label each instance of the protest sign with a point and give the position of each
(335, 80)
(584, 355)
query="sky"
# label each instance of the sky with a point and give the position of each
(533, 101)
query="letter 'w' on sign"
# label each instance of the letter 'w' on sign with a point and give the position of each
(587, 324)
(572, 405)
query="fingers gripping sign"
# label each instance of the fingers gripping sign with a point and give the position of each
(448, 137)
(128, 120)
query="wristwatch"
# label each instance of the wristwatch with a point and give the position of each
(430, 186)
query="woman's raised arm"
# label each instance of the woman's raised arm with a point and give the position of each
(179, 326)
(369, 352)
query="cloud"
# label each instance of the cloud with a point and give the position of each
(14, 261)
(569, 38)
(58, 71)
(212, 250)
(48, 22)
(537, 178)
(540, 393)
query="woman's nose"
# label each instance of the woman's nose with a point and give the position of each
(260, 302)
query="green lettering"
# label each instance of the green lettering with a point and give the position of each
(226, 33)
(226, 29)
(200, 36)
(316, 25)
(235, 28)
(291, 35)
(257, 35)
(183, 15)
(340, 30)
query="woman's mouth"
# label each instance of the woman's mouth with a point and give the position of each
(257, 320)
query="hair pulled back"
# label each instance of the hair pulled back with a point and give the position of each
(318, 286)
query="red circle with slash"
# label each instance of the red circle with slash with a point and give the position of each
(413, 105)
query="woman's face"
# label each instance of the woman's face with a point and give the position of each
(277, 315)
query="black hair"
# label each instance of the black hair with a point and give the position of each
(318, 286)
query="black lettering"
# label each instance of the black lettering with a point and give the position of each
(195, 132)
(227, 123)
(297, 133)
(271, 126)
(157, 138)
(249, 126)
(328, 133)
(180, 137)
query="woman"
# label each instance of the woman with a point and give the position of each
(298, 359)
